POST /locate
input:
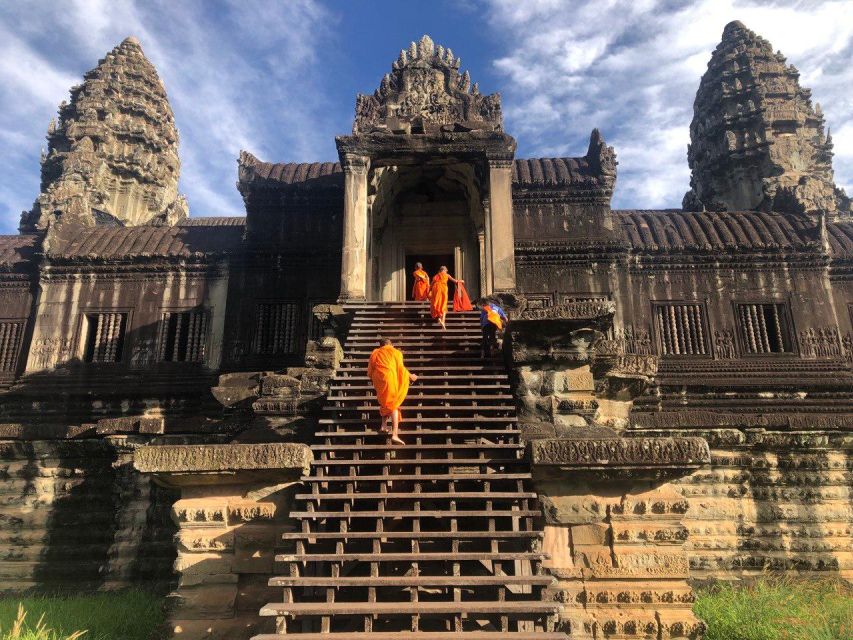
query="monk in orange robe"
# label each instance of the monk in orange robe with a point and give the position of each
(420, 290)
(391, 380)
(438, 295)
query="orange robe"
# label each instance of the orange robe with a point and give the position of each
(438, 295)
(420, 290)
(493, 316)
(390, 378)
(461, 301)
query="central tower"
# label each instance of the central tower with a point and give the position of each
(427, 174)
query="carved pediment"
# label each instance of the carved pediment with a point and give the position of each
(425, 92)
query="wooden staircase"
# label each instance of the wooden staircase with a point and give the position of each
(434, 540)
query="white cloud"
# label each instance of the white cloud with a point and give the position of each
(239, 75)
(632, 70)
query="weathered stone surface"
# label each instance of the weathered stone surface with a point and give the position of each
(284, 456)
(112, 157)
(756, 140)
(616, 452)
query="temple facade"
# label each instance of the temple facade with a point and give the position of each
(681, 378)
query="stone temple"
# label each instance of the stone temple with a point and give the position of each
(184, 402)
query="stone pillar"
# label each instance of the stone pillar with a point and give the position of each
(234, 506)
(354, 259)
(500, 230)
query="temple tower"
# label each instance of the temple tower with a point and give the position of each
(427, 174)
(756, 140)
(112, 156)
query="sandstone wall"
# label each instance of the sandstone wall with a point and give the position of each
(75, 515)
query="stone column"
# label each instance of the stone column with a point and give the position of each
(354, 258)
(501, 233)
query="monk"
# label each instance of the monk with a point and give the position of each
(420, 290)
(391, 380)
(492, 321)
(438, 295)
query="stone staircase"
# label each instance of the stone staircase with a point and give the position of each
(429, 541)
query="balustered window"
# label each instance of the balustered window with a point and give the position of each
(104, 337)
(276, 329)
(183, 336)
(681, 329)
(11, 334)
(764, 328)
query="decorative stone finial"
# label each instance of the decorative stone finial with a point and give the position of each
(112, 156)
(756, 140)
(425, 91)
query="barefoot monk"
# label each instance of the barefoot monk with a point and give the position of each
(420, 289)
(391, 380)
(438, 295)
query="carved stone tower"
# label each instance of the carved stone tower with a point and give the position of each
(756, 140)
(112, 157)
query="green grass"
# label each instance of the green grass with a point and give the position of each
(124, 615)
(778, 609)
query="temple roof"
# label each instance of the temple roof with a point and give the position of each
(674, 229)
(841, 238)
(195, 237)
(526, 173)
(17, 251)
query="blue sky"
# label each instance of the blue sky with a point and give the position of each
(279, 79)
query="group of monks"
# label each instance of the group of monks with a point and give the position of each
(385, 368)
(437, 293)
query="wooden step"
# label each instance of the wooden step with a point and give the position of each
(418, 635)
(443, 420)
(426, 513)
(413, 394)
(409, 535)
(421, 433)
(414, 447)
(426, 477)
(423, 385)
(411, 581)
(365, 408)
(413, 608)
(462, 462)
(422, 495)
(410, 557)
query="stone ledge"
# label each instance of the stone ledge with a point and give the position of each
(223, 458)
(619, 453)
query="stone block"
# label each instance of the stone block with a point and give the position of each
(578, 379)
(286, 457)
(590, 535)
(236, 628)
(202, 540)
(254, 592)
(204, 601)
(254, 550)
(203, 563)
(200, 512)
(556, 544)
(241, 511)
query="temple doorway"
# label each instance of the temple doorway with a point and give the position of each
(429, 213)
(432, 263)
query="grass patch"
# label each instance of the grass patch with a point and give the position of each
(121, 615)
(778, 609)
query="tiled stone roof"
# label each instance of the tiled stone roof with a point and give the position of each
(673, 229)
(526, 173)
(17, 250)
(196, 237)
(841, 238)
